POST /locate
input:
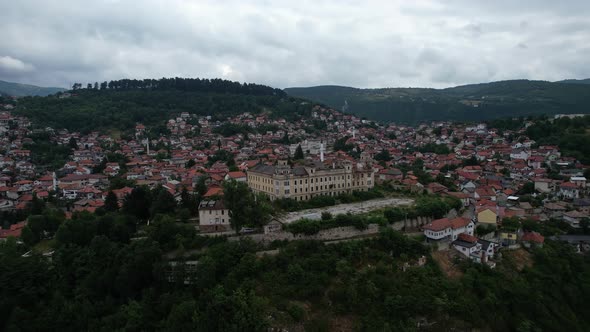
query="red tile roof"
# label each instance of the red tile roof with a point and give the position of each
(533, 237)
(444, 223)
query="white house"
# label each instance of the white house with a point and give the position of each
(574, 217)
(480, 251)
(447, 229)
(579, 181)
(519, 154)
(213, 216)
(569, 190)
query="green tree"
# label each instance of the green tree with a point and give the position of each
(73, 144)
(163, 201)
(190, 163)
(298, 153)
(238, 199)
(111, 203)
(138, 203)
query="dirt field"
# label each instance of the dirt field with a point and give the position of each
(520, 257)
(445, 260)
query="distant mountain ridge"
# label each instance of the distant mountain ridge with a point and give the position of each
(22, 90)
(575, 81)
(471, 102)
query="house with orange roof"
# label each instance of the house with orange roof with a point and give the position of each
(15, 230)
(447, 229)
(238, 176)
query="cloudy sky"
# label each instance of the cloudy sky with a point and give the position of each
(367, 43)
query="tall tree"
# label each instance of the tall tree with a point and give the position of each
(73, 144)
(138, 202)
(163, 202)
(298, 153)
(238, 199)
(111, 203)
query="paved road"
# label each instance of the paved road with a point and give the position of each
(354, 208)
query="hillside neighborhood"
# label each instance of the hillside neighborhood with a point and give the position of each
(496, 174)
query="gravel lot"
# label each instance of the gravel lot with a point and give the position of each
(354, 208)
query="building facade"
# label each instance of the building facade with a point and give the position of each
(213, 216)
(312, 179)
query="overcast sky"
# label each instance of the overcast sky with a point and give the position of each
(295, 43)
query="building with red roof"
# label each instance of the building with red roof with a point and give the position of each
(447, 229)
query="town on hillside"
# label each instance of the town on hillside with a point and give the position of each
(498, 175)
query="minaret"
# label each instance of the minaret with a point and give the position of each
(322, 152)
(353, 132)
(54, 182)
(148, 146)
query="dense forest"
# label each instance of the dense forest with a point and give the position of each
(121, 104)
(463, 103)
(102, 277)
(571, 135)
(113, 271)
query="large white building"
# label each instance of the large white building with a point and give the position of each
(311, 179)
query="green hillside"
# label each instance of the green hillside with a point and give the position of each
(21, 90)
(574, 81)
(463, 103)
(121, 104)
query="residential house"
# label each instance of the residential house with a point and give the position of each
(487, 215)
(569, 190)
(213, 216)
(447, 229)
(573, 218)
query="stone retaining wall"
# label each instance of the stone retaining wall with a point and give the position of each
(337, 233)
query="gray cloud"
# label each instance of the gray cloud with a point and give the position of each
(435, 43)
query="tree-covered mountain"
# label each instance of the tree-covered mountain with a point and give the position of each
(123, 103)
(21, 90)
(574, 81)
(463, 103)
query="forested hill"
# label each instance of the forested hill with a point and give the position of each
(574, 81)
(20, 90)
(463, 103)
(123, 103)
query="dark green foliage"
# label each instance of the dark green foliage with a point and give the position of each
(571, 135)
(413, 105)
(383, 155)
(222, 155)
(246, 209)
(111, 203)
(310, 227)
(426, 206)
(138, 203)
(435, 148)
(190, 163)
(230, 129)
(126, 102)
(47, 154)
(298, 153)
(471, 161)
(163, 201)
(97, 282)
